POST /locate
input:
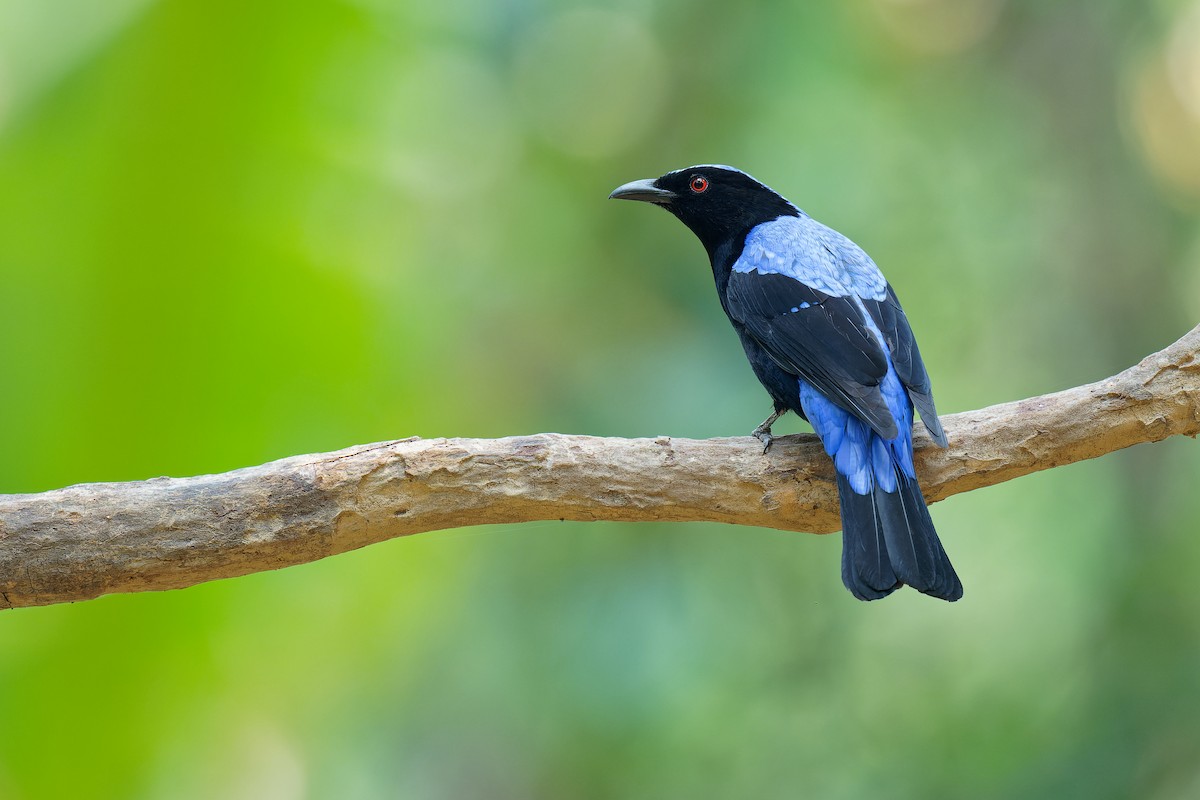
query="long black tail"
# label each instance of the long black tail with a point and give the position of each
(888, 541)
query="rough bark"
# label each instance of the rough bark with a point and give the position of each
(84, 541)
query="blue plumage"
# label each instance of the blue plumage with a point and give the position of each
(826, 336)
(866, 459)
(814, 254)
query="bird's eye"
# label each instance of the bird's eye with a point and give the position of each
(699, 183)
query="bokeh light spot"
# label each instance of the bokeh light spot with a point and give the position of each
(591, 83)
(1168, 135)
(939, 27)
(443, 128)
(1183, 59)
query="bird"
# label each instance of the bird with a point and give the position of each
(826, 336)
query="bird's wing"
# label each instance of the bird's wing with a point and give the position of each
(843, 347)
(906, 358)
(821, 338)
(798, 289)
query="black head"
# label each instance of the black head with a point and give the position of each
(718, 203)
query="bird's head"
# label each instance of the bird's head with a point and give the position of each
(720, 204)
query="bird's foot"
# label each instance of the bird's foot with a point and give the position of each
(763, 431)
(763, 434)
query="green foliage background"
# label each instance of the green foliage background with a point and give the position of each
(232, 232)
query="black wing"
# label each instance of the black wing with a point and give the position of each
(822, 338)
(906, 358)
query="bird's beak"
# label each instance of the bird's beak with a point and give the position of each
(642, 190)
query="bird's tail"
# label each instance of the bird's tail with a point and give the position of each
(888, 540)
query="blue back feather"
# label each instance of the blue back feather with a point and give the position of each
(814, 254)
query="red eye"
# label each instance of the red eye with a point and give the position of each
(699, 183)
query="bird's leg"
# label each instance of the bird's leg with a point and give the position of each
(763, 431)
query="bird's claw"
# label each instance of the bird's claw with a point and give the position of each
(763, 431)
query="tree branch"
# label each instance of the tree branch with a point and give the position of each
(84, 541)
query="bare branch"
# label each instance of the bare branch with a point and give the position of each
(84, 541)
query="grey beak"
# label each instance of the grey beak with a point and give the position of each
(642, 190)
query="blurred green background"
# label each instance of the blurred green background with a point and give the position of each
(232, 232)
